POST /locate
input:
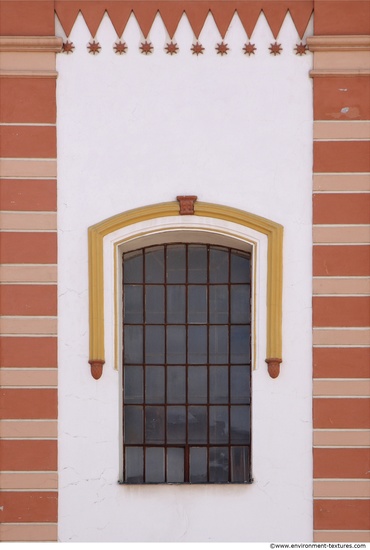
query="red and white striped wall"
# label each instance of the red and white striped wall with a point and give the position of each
(341, 302)
(28, 290)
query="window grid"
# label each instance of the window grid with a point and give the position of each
(211, 442)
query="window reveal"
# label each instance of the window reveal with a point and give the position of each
(186, 365)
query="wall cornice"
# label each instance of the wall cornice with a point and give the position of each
(31, 44)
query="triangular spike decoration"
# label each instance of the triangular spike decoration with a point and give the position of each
(67, 13)
(196, 10)
(145, 13)
(249, 13)
(196, 13)
(301, 14)
(171, 13)
(222, 12)
(93, 15)
(275, 14)
(119, 14)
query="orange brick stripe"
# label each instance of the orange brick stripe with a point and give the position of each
(341, 261)
(28, 300)
(28, 455)
(341, 363)
(34, 352)
(27, 100)
(342, 156)
(341, 311)
(28, 141)
(28, 403)
(346, 208)
(28, 248)
(346, 463)
(341, 413)
(28, 195)
(342, 98)
(342, 514)
(30, 507)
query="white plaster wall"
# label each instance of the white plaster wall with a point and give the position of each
(135, 130)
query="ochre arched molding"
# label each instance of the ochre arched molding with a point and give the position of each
(272, 230)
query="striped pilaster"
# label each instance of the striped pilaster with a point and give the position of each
(341, 303)
(28, 289)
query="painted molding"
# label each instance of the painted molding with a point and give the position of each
(31, 44)
(338, 43)
(272, 230)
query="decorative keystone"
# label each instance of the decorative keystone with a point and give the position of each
(273, 366)
(186, 204)
(96, 368)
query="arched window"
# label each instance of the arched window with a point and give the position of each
(186, 364)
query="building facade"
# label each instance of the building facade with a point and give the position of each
(129, 127)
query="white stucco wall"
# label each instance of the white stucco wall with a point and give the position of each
(134, 130)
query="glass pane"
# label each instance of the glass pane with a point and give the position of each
(133, 344)
(197, 264)
(240, 424)
(197, 344)
(133, 384)
(197, 424)
(133, 267)
(240, 304)
(154, 265)
(218, 425)
(154, 465)
(219, 265)
(197, 304)
(154, 304)
(154, 385)
(176, 263)
(218, 344)
(176, 385)
(240, 464)
(154, 424)
(175, 304)
(132, 304)
(197, 384)
(239, 384)
(134, 465)
(176, 345)
(176, 424)
(240, 344)
(198, 465)
(218, 304)
(218, 385)
(218, 465)
(175, 465)
(133, 424)
(154, 344)
(240, 268)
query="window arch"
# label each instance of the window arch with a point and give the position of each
(156, 223)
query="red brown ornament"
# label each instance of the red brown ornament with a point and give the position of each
(197, 49)
(94, 47)
(186, 203)
(146, 48)
(301, 49)
(68, 47)
(273, 366)
(172, 48)
(249, 49)
(222, 48)
(275, 49)
(120, 47)
(96, 368)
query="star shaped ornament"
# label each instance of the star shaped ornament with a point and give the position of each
(172, 48)
(68, 47)
(275, 49)
(222, 49)
(94, 47)
(146, 48)
(197, 49)
(300, 49)
(249, 49)
(120, 47)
